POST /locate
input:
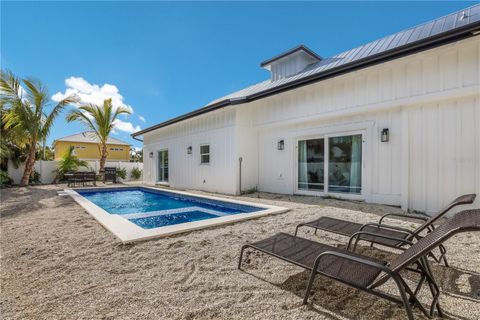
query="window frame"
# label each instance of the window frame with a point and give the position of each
(205, 154)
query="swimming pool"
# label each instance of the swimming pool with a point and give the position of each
(154, 208)
(136, 213)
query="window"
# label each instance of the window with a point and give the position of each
(205, 154)
(111, 149)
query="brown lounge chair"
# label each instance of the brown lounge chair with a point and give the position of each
(369, 231)
(367, 273)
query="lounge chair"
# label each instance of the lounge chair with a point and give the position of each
(369, 231)
(367, 273)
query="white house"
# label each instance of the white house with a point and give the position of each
(395, 121)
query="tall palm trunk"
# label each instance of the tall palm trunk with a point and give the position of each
(103, 157)
(29, 164)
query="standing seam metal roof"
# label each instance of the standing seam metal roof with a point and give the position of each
(464, 20)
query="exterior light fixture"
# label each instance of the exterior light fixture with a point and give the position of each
(281, 145)
(151, 155)
(385, 135)
(189, 150)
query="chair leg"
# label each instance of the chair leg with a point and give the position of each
(309, 286)
(443, 257)
(403, 295)
(433, 288)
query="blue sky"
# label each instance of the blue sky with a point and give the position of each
(163, 59)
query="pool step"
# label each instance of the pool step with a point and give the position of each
(171, 211)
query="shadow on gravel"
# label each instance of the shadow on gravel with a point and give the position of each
(17, 201)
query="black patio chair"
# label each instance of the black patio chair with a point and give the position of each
(110, 174)
(366, 273)
(370, 231)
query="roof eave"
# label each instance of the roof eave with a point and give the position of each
(421, 45)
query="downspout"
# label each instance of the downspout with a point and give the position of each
(240, 175)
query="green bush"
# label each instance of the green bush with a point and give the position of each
(34, 177)
(5, 180)
(136, 173)
(122, 173)
(69, 163)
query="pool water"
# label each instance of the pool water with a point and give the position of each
(150, 208)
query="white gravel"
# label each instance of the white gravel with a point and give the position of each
(57, 262)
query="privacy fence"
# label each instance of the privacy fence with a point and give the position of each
(47, 169)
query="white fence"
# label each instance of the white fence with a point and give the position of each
(46, 169)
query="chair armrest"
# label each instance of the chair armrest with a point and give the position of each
(387, 226)
(405, 215)
(358, 235)
(351, 258)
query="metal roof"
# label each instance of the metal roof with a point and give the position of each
(442, 30)
(89, 137)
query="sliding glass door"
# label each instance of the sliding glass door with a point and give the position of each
(339, 158)
(311, 162)
(162, 166)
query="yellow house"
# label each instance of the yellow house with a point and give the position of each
(87, 147)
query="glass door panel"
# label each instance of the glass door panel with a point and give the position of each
(345, 164)
(311, 160)
(163, 166)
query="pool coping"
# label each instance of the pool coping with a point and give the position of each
(128, 231)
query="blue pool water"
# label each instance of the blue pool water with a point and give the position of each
(149, 208)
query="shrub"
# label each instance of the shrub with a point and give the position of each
(34, 177)
(136, 173)
(122, 173)
(68, 163)
(5, 180)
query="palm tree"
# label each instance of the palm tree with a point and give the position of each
(69, 162)
(100, 120)
(26, 113)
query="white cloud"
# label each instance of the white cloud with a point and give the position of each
(94, 93)
(126, 126)
(141, 118)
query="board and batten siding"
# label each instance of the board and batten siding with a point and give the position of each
(430, 103)
(185, 171)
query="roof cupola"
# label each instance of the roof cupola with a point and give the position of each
(290, 63)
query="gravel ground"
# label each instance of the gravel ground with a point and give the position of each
(57, 262)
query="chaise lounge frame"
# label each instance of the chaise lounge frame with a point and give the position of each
(394, 234)
(366, 273)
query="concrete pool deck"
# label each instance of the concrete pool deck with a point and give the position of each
(58, 262)
(128, 231)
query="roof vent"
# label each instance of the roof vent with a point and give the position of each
(290, 62)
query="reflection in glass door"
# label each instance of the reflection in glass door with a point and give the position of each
(163, 166)
(343, 167)
(311, 164)
(345, 164)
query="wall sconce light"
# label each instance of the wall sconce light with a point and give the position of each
(385, 135)
(150, 155)
(189, 150)
(281, 145)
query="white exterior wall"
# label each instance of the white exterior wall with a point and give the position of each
(185, 171)
(430, 101)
